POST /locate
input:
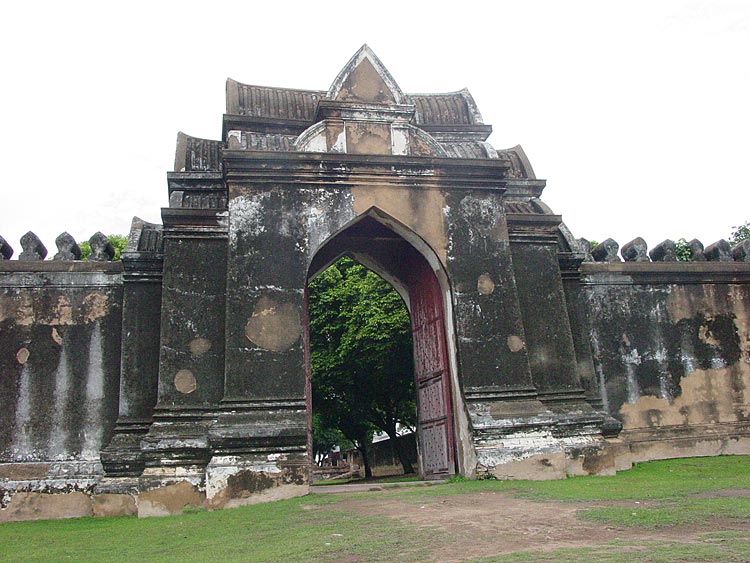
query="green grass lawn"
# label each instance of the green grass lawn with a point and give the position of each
(654, 480)
(734, 549)
(315, 528)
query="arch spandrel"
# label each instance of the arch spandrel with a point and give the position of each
(374, 226)
(422, 211)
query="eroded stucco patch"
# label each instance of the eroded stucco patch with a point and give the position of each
(94, 307)
(171, 499)
(708, 397)
(368, 138)
(485, 285)
(274, 325)
(184, 381)
(705, 334)
(56, 336)
(19, 308)
(199, 346)
(22, 356)
(27, 309)
(63, 312)
(515, 344)
(683, 302)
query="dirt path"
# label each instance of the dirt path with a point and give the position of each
(485, 524)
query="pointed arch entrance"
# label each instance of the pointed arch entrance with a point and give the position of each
(375, 241)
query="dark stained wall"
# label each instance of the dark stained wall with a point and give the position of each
(671, 347)
(60, 328)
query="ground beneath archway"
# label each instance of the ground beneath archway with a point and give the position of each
(471, 526)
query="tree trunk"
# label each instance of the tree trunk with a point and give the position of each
(398, 447)
(365, 461)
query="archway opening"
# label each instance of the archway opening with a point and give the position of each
(364, 415)
(420, 368)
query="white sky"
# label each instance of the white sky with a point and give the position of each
(637, 113)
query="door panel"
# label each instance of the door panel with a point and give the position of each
(435, 426)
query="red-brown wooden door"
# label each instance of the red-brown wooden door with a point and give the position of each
(434, 408)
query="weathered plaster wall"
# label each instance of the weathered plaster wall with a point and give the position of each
(672, 351)
(59, 372)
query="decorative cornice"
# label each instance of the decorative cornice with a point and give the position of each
(61, 266)
(194, 223)
(143, 267)
(666, 273)
(321, 169)
(533, 228)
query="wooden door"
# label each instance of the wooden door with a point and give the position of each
(434, 405)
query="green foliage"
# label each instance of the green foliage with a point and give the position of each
(325, 439)
(119, 242)
(361, 364)
(740, 233)
(682, 250)
(85, 247)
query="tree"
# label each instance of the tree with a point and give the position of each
(362, 370)
(682, 250)
(325, 439)
(119, 242)
(740, 233)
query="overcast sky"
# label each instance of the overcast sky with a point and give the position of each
(636, 113)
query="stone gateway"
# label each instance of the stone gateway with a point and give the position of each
(180, 376)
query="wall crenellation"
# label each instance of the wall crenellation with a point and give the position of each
(34, 250)
(6, 250)
(666, 251)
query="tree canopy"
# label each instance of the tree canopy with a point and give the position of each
(119, 242)
(740, 233)
(361, 358)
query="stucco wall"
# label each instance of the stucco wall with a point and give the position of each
(671, 347)
(60, 328)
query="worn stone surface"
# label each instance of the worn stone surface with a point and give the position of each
(741, 251)
(242, 480)
(33, 248)
(105, 505)
(6, 250)
(170, 499)
(606, 251)
(548, 335)
(665, 251)
(67, 247)
(585, 246)
(635, 251)
(696, 251)
(101, 248)
(720, 251)
(44, 506)
(539, 467)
